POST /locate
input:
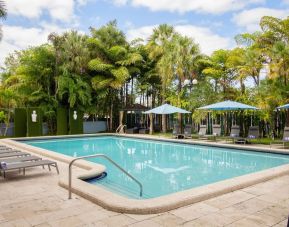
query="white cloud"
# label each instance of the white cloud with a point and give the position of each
(120, 2)
(17, 37)
(61, 14)
(207, 40)
(142, 32)
(182, 6)
(250, 19)
(62, 10)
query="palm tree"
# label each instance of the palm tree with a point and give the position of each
(72, 82)
(113, 64)
(159, 49)
(184, 55)
(3, 14)
(279, 66)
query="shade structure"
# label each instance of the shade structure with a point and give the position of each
(228, 105)
(166, 109)
(283, 107)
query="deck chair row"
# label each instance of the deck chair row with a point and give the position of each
(17, 160)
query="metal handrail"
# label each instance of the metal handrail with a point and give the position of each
(111, 161)
(120, 128)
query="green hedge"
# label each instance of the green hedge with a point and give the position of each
(34, 128)
(62, 121)
(75, 126)
(20, 122)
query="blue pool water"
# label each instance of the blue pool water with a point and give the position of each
(162, 167)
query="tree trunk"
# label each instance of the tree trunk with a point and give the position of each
(179, 103)
(287, 118)
(164, 123)
(151, 124)
(126, 94)
(131, 92)
(7, 121)
(111, 117)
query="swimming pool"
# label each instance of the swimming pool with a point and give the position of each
(162, 167)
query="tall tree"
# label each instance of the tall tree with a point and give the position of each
(3, 14)
(112, 64)
(72, 87)
(159, 47)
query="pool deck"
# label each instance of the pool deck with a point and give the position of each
(37, 200)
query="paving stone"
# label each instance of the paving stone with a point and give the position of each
(232, 213)
(251, 206)
(146, 223)
(229, 199)
(168, 220)
(283, 223)
(251, 221)
(43, 225)
(118, 220)
(214, 219)
(17, 223)
(95, 216)
(140, 217)
(276, 211)
(194, 211)
(67, 222)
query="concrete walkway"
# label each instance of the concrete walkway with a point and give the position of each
(37, 200)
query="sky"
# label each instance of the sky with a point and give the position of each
(213, 24)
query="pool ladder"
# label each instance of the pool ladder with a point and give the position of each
(108, 159)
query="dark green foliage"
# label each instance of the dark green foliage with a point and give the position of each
(75, 126)
(34, 128)
(62, 121)
(20, 122)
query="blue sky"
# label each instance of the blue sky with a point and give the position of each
(211, 23)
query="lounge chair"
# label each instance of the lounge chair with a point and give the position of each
(24, 165)
(14, 154)
(203, 133)
(216, 130)
(8, 151)
(143, 131)
(285, 138)
(235, 134)
(188, 131)
(253, 133)
(20, 159)
(132, 130)
(5, 148)
(177, 131)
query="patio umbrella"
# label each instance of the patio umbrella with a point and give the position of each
(228, 105)
(166, 109)
(283, 107)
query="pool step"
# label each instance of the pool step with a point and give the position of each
(97, 178)
(121, 189)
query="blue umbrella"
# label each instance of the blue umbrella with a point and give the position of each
(283, 107)
(166, 109)
(228, 105)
